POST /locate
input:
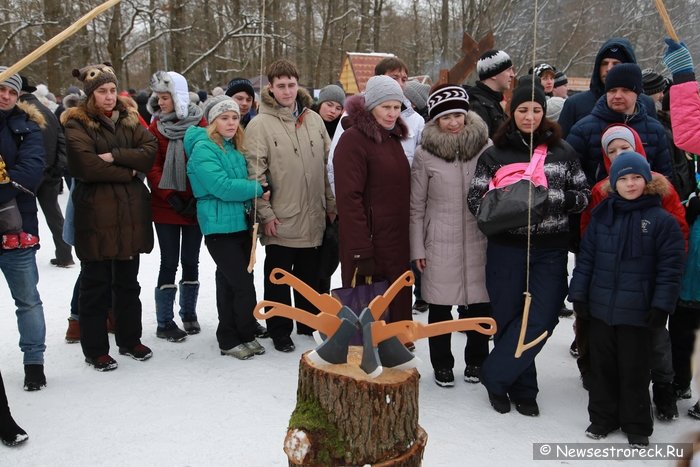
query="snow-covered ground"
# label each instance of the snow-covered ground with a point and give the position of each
(189, 406)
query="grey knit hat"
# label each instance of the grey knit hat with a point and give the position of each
(14, 82)
(380, 89)
(417, 93)
(333, 93)
(217, 105)
(617, 132)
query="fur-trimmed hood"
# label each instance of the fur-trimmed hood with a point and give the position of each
(362, 119)
(462, 146)
(32, 112)
(127, 116)
(659, 185)
(269, 105)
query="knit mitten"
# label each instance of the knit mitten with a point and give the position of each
(677, 58)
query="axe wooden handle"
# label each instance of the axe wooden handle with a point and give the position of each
(323, 322)
(323, 302)
(253, 246)
(661, 8)
(412, 330)
(381, 302)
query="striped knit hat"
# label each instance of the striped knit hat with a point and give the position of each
(446, 99)
(492, 63)
(13, 82)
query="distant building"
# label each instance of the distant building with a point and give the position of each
(357, 69)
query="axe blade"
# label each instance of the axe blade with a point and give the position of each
(335, 348)
(371, 364)
(393, 354)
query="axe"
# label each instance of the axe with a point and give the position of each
(389, 352)
(323, 302)
(339, 330)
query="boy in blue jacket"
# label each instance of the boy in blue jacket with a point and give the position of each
(627, 280)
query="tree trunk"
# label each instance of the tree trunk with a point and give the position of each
(343, 417)
(114, 44)
(52, 12)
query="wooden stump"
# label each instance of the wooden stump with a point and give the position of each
(343, 417)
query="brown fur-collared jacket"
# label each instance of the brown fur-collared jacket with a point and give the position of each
(112, 204)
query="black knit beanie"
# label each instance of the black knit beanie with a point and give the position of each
(523, 93)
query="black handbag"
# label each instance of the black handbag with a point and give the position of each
(515, 190)
(10, 217)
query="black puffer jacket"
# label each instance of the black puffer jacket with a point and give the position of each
(567, 193)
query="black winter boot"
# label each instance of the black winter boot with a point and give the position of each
(665, 401)
(11, 434)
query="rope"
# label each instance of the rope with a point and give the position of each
(532, 140)
(256, 225)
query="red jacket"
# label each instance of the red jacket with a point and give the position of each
(670, 200)
(162, 212)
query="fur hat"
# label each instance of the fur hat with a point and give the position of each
(616, 132)
(491, 63)
(447, 99)
(652, 82)
(417, 93)
(14, 82)
(217, 105)
(94, 76)
(237, 85)
(560, 79)
(629, 162)
(380, 89)
(176, 85)
(332, 93)
(554, 106)
(523, 93)
(625, 75)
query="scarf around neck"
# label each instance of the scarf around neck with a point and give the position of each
(630, 212)
(175, 167)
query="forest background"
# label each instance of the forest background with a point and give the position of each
(211, 41)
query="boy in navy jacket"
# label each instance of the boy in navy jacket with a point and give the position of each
(627, 279)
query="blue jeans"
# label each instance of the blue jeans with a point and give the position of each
(22, 276)
(172, 250)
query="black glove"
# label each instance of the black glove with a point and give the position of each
(190, 209)
(582, 310)
(569, 200)
(184, 208)
(656, 318)
(365, 267)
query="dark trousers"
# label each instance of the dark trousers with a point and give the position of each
(501, 372)
(47, 196)
(75, 299)
(682, 325)
(98, 278)
(178, 242)
(303, 263)
(619, 385)
(235, 290)
(477, 348)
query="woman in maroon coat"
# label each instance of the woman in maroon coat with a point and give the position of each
(173, 205)
(373, 183)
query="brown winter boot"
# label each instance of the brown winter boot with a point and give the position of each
(73, 332)
(111, 321)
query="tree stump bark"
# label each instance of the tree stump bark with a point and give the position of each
(343, 417)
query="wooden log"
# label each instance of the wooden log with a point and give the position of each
(343, 417)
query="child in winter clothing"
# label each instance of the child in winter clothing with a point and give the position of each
(219, 177)
(626, 280)
(615, 140)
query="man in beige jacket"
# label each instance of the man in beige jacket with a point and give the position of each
(287, 146)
